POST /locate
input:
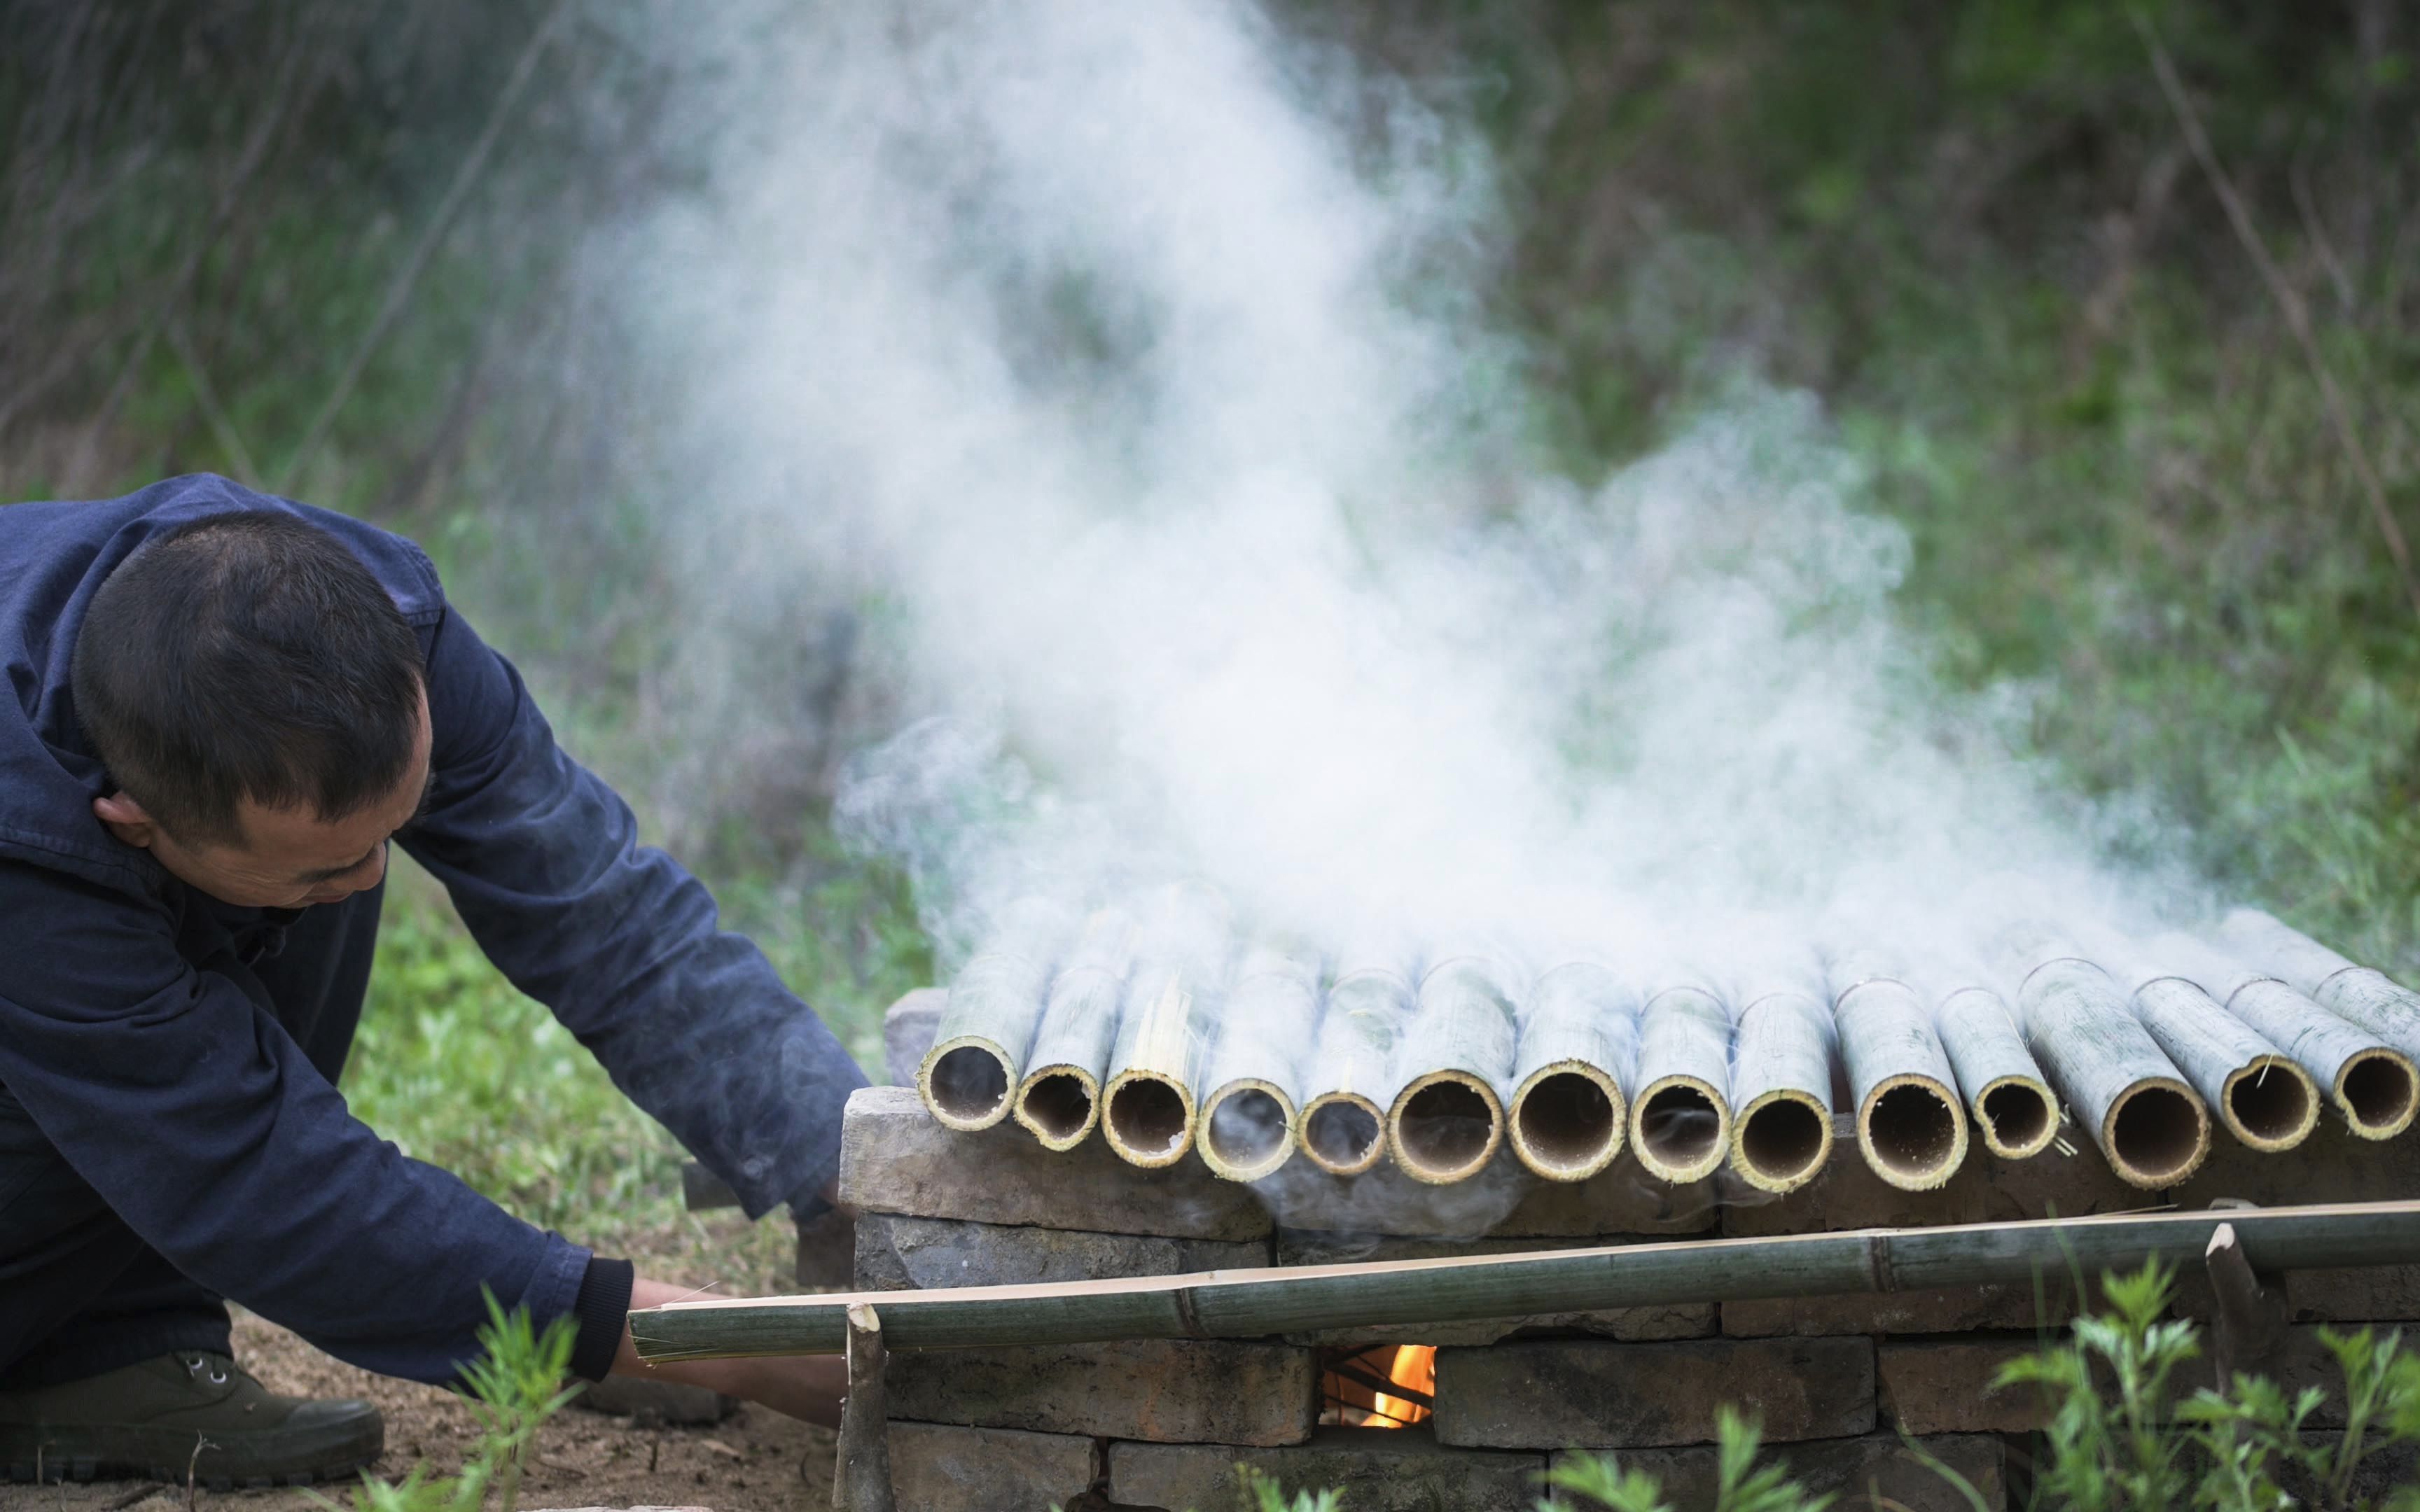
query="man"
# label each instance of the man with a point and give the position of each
(220, 708)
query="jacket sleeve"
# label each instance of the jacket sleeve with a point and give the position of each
(202, 1124)
(543, 862)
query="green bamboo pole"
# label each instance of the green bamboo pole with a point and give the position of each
(2005, 1095)
(980, 1042)
(1171, 999)
(1254, 1070)
(1455, 1056)
(1911, 1126)
(1350, 1081)
(2359, 996)
(2259, 1095)
(2153, 1129)
(2373, 1085)
(1780, 1083)
(1681, 1120)
(1059, 1101)
(1579, 1049)
(1259, 1303)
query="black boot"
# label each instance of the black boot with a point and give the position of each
(185, 1413)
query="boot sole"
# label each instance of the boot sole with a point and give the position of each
(305, 1458)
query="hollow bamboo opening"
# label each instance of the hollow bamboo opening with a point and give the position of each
(1060, 1104)
(2017, 1116)
(1912, 1133)
(1148, 1119)
(1246, 1130)
(1444, 1127)
(965, 1083)
(1342, 1134)
(1781, 1140)
(2378, 1093)
(2271, 1104)
(1681, 1126)
(2156, 1132)
(1567, 1120)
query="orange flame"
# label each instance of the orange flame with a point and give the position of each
(1415, 1366)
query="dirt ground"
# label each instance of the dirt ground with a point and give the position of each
(754, 1461)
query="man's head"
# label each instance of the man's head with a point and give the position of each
(256, 699)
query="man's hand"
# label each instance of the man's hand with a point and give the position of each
(808, 1386)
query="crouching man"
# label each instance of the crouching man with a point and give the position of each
(220, 709)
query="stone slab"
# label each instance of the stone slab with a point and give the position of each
(1850, 1470)
(1946, 1386)
(1378, 1470)
(1584, 1393)
(908, 1031)
(936, 1468)
(656, 1403)
(1165, 1391)
(1678, 1321)
(897, 1254)
(1503, 1200)
(1942, 1310)
(897, 1158)
(1986, 1189)
(2329, 1166)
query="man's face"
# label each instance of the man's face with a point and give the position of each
(284, 858)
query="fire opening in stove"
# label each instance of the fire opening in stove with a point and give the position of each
(1390, 1386)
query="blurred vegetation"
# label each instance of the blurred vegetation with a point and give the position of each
(1974, 227)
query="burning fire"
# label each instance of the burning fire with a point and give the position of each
(1415, 1367)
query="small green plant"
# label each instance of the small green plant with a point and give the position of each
(512, 1389)
(1740, 1485)
(1262, 1493)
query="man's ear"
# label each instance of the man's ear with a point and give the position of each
(126, 819)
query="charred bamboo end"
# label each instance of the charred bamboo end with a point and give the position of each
(2378, 1092)
(1342, 1134)
(965, 1082)
(1681, 1126)
(2271, 1104)
(2156, 1132)
(1148, 1119)
(1247, 1129)
(1060, 1105)
(1444, 1126)
(1781, 1140)
(1567, 1120)
(2017, 1116)
(1912, 1132)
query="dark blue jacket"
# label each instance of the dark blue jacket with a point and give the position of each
(195, 1115)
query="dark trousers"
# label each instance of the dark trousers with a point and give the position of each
(80, 1294)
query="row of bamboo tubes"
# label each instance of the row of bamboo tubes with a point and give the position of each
(1161, 1036)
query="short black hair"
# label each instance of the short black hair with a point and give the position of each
(241, 656)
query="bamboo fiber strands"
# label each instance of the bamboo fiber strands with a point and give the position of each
(2153, 1128)
(1455, 1061)
(2371, 1082)
(2010, 1103)
(2361, 997)
(1171, 999)
(979, 1044)
(1578, 1048)
(1248, 1117)
(1343, 1128)
(1681, 1120)
(1911, 1127)
(1259, 1303)
(1781, 1083)
(1060, 1099)
(2263, 1098)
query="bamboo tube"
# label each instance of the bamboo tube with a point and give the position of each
(2011, 1105)
(1343, 1127)
(1259, 1303)
(1060, 1099)
(1780, 1084)
(2364, 998)
(1147, 1107)
(1578, 1046)
(2261, 1097)
(2372, 1084)
(1248, 1118)
(980, 1044)
(1681, 1120)
(2153, 1129)
(1911, 1126)
(1456, 1058)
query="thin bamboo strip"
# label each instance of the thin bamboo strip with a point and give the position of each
(2153, 1129)
(1911, 1126)
(1257, 1303)
(2261, 1096)
(1350, 1080)
(1579, 1049)
(1060, 1099)
(980, 1044)
(2363, 998)
(2373, 1085)
(2005, 1095)
(1148, 1107)
(1248, 1117)
(1681, 1120)
(1781, 1082)
(1455, 1059)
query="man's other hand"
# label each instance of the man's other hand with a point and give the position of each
(808, 1386)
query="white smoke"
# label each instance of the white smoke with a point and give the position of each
(1127, 361)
